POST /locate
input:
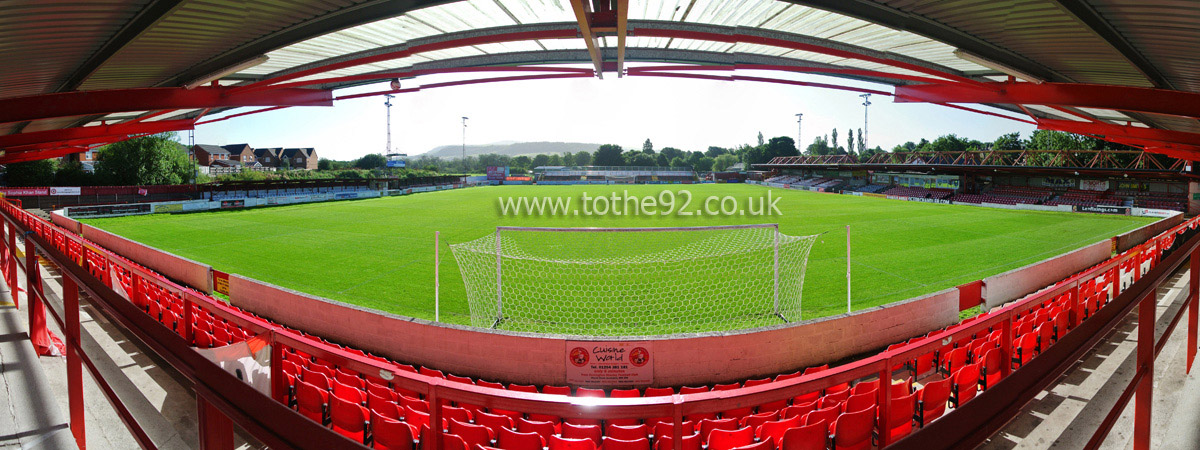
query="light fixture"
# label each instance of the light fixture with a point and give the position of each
(1007, 70)
(217, 75)
(395, 84)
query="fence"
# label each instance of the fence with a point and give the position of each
(223, 400)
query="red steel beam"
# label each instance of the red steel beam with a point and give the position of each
(17, 141)
(1107, 130)
(420, 72)
(1121, 98)
(454, 43)
(783, 43)
(84, 103)
(263, 110)
(622, 32)
(796, 69)
(698, 76)
(467, 82)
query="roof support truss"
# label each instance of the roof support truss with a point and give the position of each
(583, 14)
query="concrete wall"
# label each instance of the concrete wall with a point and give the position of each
(65, 222)
(1135, 237)
(1016, 283)
(181, 269)
(541, 359)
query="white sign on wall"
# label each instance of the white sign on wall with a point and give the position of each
(66, 191)
(602, 363)
(1093, 185)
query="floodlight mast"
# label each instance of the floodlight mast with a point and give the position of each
(464, 145)
(866, 102)
(799, 130)
(388, 104)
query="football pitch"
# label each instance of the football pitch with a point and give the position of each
(379, 253)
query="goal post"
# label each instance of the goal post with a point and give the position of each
(650, 280)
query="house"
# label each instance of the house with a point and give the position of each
(299, 158)
(241, 153)
(268, 157)
(207, 154)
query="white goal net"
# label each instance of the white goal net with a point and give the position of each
(633, 281)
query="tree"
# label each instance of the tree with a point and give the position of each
(779, 146)
(678, 162)
(154, 159)
(834, 142)
(1010, 141)
(608, 155)
(583, 158)
(760, 138)
(714, 152)
(641, 159)
(662, 160)
(671, 152)
(724, 161)
(71, 173)
(31, 173)
(324, 164)
(368, 161)
(850, 140)
(704, 164)
(555, 160)
(648, 147)
(948, 143)
(568, 159)
(522, 162)
(862, 145)
(540, 160)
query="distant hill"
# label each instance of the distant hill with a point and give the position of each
(512, 149)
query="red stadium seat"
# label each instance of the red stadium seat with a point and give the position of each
(708, 425)
(827, 415)
(759, 419)
(727, 387)
(662, 429)
(799, 410)
(556, 390)
(560, 443)
(543, 429)
(1061, 325)
(494, 422)
(814, 436)
(834, 399)
(765, 445)
(900, 416)
(1025, 348)
(693, 389)
(859, 402)
(312, 402)
(383, 406)
(416, 418)
(592, 432)
(414, 404)
(691, 442)
(625, 393)
(349, 393)
(966, 383)
(931, 401)
(853, 430)
(350, 379)
(390, 434)
(806, 398)
(527, 388)
(611, 443)
(865, 387)
(490, 384)
(382, 391)
(472, 434)
(773, 431)
(659, 392)
(1045, 334)
(990, 370)
(720, 439)
(953, 361)
(348, 419)
(625, 433)
(458, 379)
(431, 372)
(812, 370)
(453, 442)
(511, 440)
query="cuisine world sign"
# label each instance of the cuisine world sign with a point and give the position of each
(603, 363)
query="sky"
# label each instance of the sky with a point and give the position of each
(671, 112)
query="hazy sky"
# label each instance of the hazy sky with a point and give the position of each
(681, 113)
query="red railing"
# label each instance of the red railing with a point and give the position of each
(223, 400)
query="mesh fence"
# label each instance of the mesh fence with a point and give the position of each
(636, 281)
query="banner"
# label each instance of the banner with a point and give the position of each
(1103, 209)
(18, 192)
(109, 210)
(168, 208)
(1093, 185)
(601, 363)
(232, 204)
(66, 191)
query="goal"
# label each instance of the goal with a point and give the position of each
(630, 281)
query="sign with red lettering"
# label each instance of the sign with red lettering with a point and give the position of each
(603, 363)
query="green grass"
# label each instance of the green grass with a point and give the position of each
(378, 253)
